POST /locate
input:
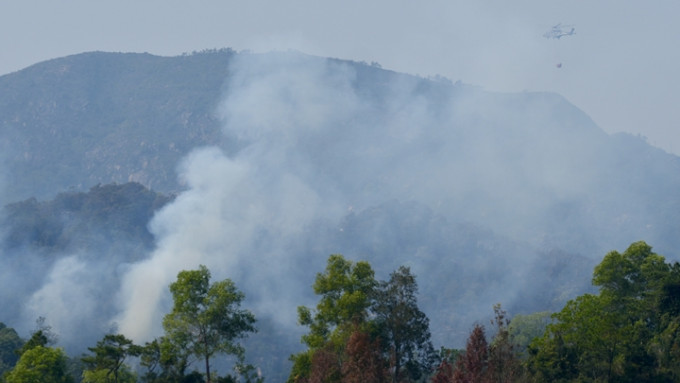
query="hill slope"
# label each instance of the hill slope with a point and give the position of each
(106, 117)
(284, 158)
(99, 117)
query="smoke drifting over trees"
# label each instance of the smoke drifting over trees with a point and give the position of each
(487, 197)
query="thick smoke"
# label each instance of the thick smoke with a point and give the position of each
(72, 299)
(71, 290)
(313, 148)
(317, 145)
(473, 190)
(239, 212)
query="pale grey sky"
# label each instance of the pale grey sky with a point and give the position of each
(619, 67)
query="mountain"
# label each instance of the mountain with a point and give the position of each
(277, 160)
(93, 118)
(74, 122)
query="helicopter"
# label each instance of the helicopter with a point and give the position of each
(558, 31)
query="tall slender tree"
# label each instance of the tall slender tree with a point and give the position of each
(405, 329)
(472, 366)
(207, 318)
(504, 362)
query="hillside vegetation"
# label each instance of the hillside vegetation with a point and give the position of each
(121, 170)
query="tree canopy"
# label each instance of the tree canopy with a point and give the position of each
(360, 321)
(206, 319)
(626, 333)
(108, 361)
(41, 364)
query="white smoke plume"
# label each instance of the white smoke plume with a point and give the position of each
(324, 156)
(320, 139)
(238, 212)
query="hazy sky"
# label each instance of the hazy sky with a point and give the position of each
(619, 67)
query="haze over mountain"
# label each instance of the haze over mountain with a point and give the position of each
(278, 160)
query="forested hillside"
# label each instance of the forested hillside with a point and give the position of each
(121, 170)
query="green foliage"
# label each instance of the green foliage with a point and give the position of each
(108, 361)
(42, 336)
(9, 344)
(206, 319)
(632, 277)
(346, 291)
(523, 329)
(37, 339)
(124, 375)
(302, 366)
(586, 327)
(40, 364)
(164, 361)
(626, 333)
(405, 330)
(361, 329)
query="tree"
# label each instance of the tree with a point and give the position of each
(10, 342)
(356, 314)
(38, 338)
(633, 279)
(666, 348)
(41, 364)
(165, 361)
(444, 373)
(108, 361)
(363, 362)
(622, 334)
(346, 291)
(302, 366)
(207, 318)
(523, 329)
(326, 365)
(42, 336)
(665, 345)
(471, 367)
(504, 363)
(405, 329)
(123, 375)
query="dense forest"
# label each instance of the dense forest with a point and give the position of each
(367, 330)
